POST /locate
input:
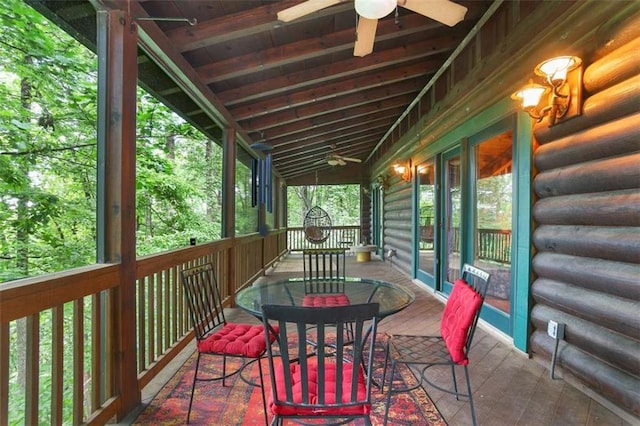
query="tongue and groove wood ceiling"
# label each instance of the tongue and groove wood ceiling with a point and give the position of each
(295, 86)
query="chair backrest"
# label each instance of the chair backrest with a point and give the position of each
(461, 313)
(203, 298)
(324, 264)
(337, 360)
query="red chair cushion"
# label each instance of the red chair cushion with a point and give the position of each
(236, 339)
(458, 315)
(330, 397)
(323, 300)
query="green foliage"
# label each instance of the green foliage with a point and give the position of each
(341, 202)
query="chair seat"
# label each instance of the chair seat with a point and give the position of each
(330, 395)
(324, 300)
(236, 339)
(416, 349)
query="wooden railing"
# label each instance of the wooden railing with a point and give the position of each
(65, 322)
(492, 244)
(340, 236)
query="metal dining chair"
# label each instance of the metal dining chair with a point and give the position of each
(451, 347)
(324, 264)
(217, 337)
(333, 380)
(324, 280)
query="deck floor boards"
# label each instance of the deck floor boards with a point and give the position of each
(508, 388)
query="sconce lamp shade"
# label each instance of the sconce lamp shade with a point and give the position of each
(375, 9)
(529, 95)
(403, 171)
(556, 69)
(399, 169)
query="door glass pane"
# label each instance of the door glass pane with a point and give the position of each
(426, 175)
(493, 216)
(452, 209)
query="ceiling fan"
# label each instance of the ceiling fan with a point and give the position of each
(369, 11)
(338, 160)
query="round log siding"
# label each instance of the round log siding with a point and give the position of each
(615, 313)
(588, 237)
(617, 243)
(621, 64)
(599, 341)
(601, 377)
(610, 174)
(616, 208)
(619, 278)
(615, 102)
(616, 138)
(397, 223)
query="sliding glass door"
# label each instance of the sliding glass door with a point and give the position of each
(449, 237)
(426, 217)
(492, 210)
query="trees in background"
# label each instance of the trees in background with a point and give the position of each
(48, 157)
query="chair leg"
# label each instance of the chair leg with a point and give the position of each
(473, 411)
(384, 370)
(193, 387)
(388, 404)
(455, 381)
(224, 369)
(264, 398)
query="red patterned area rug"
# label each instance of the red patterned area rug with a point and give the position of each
(241, 404)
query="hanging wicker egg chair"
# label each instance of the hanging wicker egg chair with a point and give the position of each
(317, 225)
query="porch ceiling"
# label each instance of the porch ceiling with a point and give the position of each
(296, 85)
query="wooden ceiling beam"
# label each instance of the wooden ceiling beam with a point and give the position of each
(366, 81)
(351, 148)
(302, 50)
(342, 103)
(226, 28)
(337, 119)
(323, 131)
(338, 70)
(352, 114)
(326, 147)
(356, 128)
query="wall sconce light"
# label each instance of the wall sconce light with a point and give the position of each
(563, 78)
(403, 170)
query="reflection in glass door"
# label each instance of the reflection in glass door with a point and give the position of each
(493, 215)
(426, 217)
(450, 237)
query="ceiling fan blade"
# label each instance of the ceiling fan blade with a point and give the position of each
(365, 36)
(445, 11)
(355, 160)
(305, 8)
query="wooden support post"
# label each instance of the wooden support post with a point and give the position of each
(229, 203)
(228, 183)
(117, 84)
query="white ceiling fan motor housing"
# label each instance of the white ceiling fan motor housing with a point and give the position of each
(375, 9)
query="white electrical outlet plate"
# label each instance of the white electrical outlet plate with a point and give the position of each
(552, 329)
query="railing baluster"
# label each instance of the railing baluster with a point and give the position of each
(78, 362)
(96, 351)
(4, 373)
(32, 369)
(151, 319)
(141, 321)
(57, 364)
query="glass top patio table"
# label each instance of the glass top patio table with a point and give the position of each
(391, 297)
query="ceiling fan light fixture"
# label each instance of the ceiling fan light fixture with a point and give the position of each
(375, 9)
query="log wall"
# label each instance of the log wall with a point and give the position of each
(587, 239)
(397, 222)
